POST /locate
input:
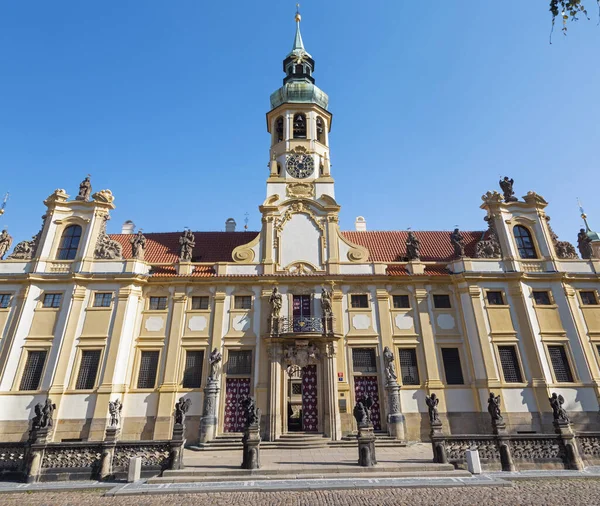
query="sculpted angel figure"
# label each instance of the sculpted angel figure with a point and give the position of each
(506, 185)
(432, 404)
(276, 302)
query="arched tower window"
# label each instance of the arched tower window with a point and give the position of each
(299, 126)
(278, 169)
(320, 130)
(524, 242)
(69, 242)
(279, 129)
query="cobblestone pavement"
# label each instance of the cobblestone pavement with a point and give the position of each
(522, 493)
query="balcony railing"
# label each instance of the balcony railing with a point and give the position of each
(301, 324)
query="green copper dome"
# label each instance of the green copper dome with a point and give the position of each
(299, 92)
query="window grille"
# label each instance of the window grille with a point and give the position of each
(148, 369)
(587, 298)
(359, 301)
(524, 242)
(69, 242)
(401, 302)
(4, 300)
(495, 299)
(34, 366)
(88, 369)
(452, 367)
(200, 302)
(243, 302)
(103, 299)
(560, 364)
(52, 300)
(408, 366)
(296, 388)
(240, 362)
(441, 301)
(510, 364)
(363, 360)
(158, 303)
(192, 375)
(542, 298)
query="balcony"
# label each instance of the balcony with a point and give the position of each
(301, 325)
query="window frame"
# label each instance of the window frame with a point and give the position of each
(157, 297)
(103, 294)
(518, 363)
(244, 374)
(403, 295)
(435, 306)
(461, 363)
(23, 367)
(594, 295)
(54, 295)
(71, 252)
(241, 297)
(569, 362)
(184, 367)
(519, 242)
(373, 349)
(367, 299)
(136, 378)
(490, 303)
(196, 297)
(415, 350)
(76, 374)
(5, 297)
(548, 293)
(305, 136)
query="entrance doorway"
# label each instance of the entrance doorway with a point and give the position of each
(302, 411)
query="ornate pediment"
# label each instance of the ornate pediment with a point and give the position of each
(301, 354)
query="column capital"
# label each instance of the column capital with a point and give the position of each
(420, 293)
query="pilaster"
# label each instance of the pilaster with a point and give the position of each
(433, 382)
(332, 425)
(275, 378)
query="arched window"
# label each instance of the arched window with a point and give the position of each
(299, 126)
(279, 129)
(320, 130)
(524, 242)
(279, 169)
(69, 242)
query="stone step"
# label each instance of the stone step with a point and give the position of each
(404, 470)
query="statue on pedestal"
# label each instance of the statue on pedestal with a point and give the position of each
(114, 409)
(326, 309)
(494, 408)
(85, 190)
(5, 243)
(413, 246)
(276, 303)
(458, 241)
(559, 413)
(182, 406)
(187, 241)
(214, 358)
(584, 244)
(506, 185)
(390, 369)
(432, 404)
(138, 245)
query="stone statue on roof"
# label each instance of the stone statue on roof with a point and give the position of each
(584, 244)
(5, 243)
(458, 241)
(138, 245)
(506, 185)
(85, 190)
(186, 242)
(413, 246)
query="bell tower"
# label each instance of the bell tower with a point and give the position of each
(299, 124)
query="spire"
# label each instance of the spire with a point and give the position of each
(298, 44)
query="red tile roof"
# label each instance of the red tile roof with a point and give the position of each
(210, 246)
(391, 246)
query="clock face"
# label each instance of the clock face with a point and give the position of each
(300, 166)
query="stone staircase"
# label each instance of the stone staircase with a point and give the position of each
(295, 440)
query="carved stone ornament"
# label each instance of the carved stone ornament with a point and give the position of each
(182, 406)
(300, 269)
(104, 197)
(106, 248)
(300, 190)
(558, 412)
(114, 410)
(59, 195)
(490, 247)
(494, 409)
(5, 243)
(301, 354)
(390, 369)
(43, 415)
(251, 412)
(276, 302)
(25, 250)
(432, 406)
(535, 198)
(492, 197)
(138, 245)
(214, 359)
(564, 249)
(458, 242)
(326, 309)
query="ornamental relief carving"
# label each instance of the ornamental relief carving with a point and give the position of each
(300, 190)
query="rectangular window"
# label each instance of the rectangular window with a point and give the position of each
(510, 364)
(401, 302)
(408, 366)
(359, 301)
(441, 301)
(588, 298)
(148, 369)
(52, 300)
(158, 303)
(240, 362)
(452, 368)
(542, 298)
(363, 360)
(495, 298)
(192, 375)
(200, 302)
(4, 300)
(88, 369)
(243, 302)
(103, 299)
(32, 373)
(560, 364)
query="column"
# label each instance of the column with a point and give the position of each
(332, 425)
(167, 396)
(275, 377)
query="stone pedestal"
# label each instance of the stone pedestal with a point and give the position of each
(177, 444)
(108, 452)
(503, 440)
(437, 443)
(366, 447)
(395, 419)
(38, 439)
(251, 440)
(208, 422)
(563, 428)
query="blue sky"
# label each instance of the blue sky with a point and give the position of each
(164, 103)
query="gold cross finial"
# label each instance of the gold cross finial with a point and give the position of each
(298, 17)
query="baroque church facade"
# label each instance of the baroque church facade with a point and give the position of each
(302, 316)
